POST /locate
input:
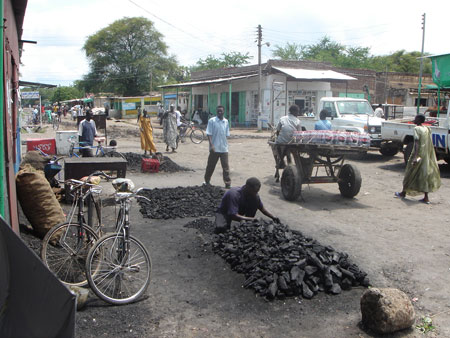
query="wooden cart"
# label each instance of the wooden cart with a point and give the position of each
(316, 163)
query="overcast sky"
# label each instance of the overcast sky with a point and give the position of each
(197, 28)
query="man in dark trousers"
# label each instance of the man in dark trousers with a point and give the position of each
(86, 132)
(218, 130)
(240, 204)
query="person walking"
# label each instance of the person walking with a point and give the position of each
(422, 172)
(169, 121)
(86, 132)
(217, 131)
(146, 128)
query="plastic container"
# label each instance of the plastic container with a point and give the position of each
(150, 165)
(47, 145)
(62, 141)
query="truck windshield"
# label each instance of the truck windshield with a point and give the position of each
(354, 107)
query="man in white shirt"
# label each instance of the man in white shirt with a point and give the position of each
(379, 111)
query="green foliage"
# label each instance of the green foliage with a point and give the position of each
(65, 93)
(291, 51)
(343, 56)
(126, 56)
(426, 325)
(227, 60)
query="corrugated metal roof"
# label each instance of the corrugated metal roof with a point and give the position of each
(195, 83)
(309, 74)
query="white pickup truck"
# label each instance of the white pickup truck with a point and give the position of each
(353, 115)
(399, 135)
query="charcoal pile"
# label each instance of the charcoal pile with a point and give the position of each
(170, 166)
(204, 225)
(278, 262)
(180, 202)
(167, 165)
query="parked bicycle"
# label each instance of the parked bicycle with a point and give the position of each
(100, 150)
(118, 266)
(196, 134)
(66, 245)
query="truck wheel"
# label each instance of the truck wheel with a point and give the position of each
(407, 151)
(349, 181)
(388, 151)
(291, 183)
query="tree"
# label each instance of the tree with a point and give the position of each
(340, 55)
(291, 51)
(125, 56)
(233, 59)
(65, 93)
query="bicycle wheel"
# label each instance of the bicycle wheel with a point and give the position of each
(118, 272)
(197, 136)
(64, 251)
(112, 153)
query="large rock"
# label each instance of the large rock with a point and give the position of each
(386, 310)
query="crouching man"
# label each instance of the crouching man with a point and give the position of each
(240, 204)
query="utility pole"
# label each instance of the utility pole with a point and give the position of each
(259, 41)
(421, 63)
(151, 82)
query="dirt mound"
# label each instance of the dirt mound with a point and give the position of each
(181, 202)
(279, 263)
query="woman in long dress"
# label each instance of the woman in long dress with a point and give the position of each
(146, 129)
(170, 129)
(422, 172)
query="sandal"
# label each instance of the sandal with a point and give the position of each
(423, 201)
(398, 195)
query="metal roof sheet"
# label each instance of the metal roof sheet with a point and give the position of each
(194, 83)
(310, 74)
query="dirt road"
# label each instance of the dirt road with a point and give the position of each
(193, 293)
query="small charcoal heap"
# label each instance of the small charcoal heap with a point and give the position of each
(167, 165)
(278, 262)
(181, 202)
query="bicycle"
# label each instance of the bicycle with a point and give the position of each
(66, 245)
(196, 134)
(118, 266)
(100, 150)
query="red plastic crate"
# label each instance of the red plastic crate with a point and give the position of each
(150, 165)
(47, 145)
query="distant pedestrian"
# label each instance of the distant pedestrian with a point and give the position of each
(169, 122)
(323, 123)
(217, 131)
(145, 126)
(87, 132)
(422, 171)
(379, 111)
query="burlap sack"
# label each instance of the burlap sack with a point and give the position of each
(35, 159)
(38, 201)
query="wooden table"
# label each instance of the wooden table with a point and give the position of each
(78, 167)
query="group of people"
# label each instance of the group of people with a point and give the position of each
(242, 203)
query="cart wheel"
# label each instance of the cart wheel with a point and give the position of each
(349, 180)
(291, 183)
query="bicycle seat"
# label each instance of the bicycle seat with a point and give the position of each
(123, 185)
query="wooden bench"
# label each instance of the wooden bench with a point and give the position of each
(78, 167)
